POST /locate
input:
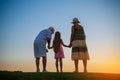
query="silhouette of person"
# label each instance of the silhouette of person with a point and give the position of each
(58, 50)
(40, 47)
(78, 44)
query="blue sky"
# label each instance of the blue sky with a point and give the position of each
(21, 21)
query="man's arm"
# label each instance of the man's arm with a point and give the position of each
(48, 41)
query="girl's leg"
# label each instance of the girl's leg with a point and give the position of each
(76, 65)
(85, 65)
(56, 63)
(61, 64)
(37, 64)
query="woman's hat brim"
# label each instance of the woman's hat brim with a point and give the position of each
(76, 21)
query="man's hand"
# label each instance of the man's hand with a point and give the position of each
(46, 50)
(48, 40)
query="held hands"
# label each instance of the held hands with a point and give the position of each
(48, 46)
(70, 45)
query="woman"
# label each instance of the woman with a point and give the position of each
(78, 43)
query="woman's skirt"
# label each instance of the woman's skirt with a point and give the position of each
(79, 50)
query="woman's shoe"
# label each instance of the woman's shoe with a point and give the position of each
(85, 71)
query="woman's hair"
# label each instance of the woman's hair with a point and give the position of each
(56, 42)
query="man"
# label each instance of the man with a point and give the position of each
(40, 47)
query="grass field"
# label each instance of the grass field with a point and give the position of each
(57, 76)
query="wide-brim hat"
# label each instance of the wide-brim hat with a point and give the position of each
(75, 20)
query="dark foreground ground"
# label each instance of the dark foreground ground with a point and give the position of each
(57, 76)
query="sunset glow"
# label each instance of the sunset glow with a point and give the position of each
(21, 21)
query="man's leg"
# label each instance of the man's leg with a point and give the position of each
(44, 64)
(37, 64)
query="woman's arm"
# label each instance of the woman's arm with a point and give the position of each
(84, 33)
(71, 37)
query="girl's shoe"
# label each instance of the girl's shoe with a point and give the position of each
(61, 71)
(57, 71)
(45, 71)
(75, 71)
(38, 70)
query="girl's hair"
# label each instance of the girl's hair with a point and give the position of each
(56, 42)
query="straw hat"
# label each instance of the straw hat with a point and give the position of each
(75, 20)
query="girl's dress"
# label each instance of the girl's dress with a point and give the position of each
(59, 54)
(79, 47)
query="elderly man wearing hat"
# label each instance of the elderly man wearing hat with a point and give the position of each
(40, 47)
(78, 43)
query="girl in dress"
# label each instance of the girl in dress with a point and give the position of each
(78, 44)
(58, 50)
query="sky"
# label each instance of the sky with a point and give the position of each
(22, 20)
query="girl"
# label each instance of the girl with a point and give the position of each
(58, 50)
(78, 43)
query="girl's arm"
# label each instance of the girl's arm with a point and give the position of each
(64, 44)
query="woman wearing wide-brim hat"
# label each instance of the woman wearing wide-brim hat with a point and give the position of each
(78, 44)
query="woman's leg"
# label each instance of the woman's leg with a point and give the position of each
(85, 65)
(56, 63)
(76, 65)
(37, 64)
(61, 65)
